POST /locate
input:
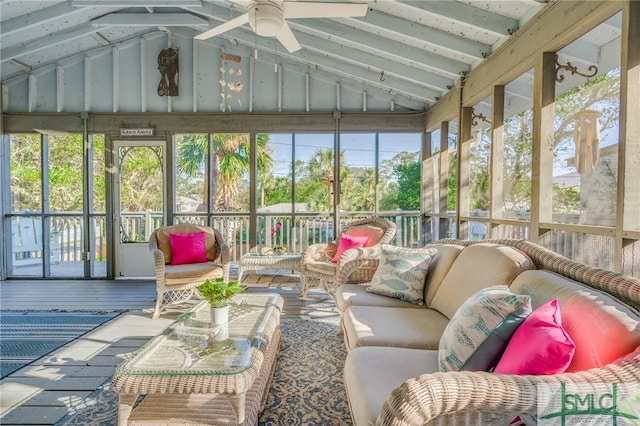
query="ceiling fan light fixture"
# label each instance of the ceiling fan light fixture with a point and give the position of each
(266, 19)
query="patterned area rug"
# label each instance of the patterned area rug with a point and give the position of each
(27, 336)
(307, 386)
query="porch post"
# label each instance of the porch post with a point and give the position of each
(496, 160)
(543, 144)
(628, 200)
(443, 231)
(464, 173)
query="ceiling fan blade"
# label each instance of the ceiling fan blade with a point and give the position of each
(229, 25)
(294, 10)
(288, 39)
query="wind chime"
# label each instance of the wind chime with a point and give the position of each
(230, 80)
(586, 135)
(587, 140)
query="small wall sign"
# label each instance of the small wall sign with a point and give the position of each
(137, 131)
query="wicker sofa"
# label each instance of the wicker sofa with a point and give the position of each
(392, 374)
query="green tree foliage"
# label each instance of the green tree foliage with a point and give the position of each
(99, 175)
(517, 162)
(479, 177)
(566, 200)
(65, 177)
(408, 185)
(231, 163)
(360, 194)
(358, 184)
(600, 93)
(141, 186)
(314, 186)
(390, 191)
(452, 188)
(25, 164)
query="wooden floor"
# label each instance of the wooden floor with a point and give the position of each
(42, 392)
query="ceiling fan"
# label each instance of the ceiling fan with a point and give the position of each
(267, 18)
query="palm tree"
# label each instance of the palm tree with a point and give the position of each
(231, 161)
(321, 178)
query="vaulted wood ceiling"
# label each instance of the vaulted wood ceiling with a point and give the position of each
(410, 51)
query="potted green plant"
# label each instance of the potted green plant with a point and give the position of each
(218, 292)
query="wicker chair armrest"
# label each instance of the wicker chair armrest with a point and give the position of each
(225, 260)
(158, 255)
(158, 260)
(315, 253)
(354, 259)
(225, 253)
(459, 397)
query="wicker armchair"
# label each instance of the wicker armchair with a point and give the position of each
(356, 265)
(176, 283)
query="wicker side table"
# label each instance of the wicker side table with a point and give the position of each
(259, 262)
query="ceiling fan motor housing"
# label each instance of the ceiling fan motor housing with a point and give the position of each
(266, 19)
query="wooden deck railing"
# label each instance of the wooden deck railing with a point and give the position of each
(65, 235)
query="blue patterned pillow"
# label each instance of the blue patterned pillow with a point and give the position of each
(481, 328)
(402, 273)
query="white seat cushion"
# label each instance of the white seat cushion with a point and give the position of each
(191, 272)
(328, 268)
(392, 366)
(398, 327)
(357, 295)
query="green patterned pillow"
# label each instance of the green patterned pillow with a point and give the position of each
(402, 273)
(481, 328)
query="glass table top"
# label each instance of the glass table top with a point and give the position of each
(191, 346)
(260, 255)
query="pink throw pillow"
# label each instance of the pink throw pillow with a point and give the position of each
(539, 345)
(372, 232)
(187, 248)
(348, 242)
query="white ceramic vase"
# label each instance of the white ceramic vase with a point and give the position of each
(219, 315)
(221, 332)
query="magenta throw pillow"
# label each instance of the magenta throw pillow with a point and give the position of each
(187, 248)
(539, 345)
(348, 242)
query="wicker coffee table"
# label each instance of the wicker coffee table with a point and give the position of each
(195, 374)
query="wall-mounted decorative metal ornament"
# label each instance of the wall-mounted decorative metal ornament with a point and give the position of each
(475, 117)
(573, 70)
(168, 67)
